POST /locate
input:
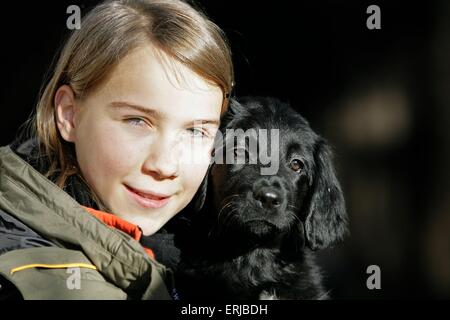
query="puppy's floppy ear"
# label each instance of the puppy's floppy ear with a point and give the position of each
(326, 219)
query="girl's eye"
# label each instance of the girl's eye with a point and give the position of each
(297, 165)
(196, 132)
(136, 122)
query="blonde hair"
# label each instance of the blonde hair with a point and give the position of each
(109, 32)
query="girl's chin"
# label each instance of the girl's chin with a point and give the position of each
(150, 221)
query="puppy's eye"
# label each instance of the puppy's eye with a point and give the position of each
(297, 165)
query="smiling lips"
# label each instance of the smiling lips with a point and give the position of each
(148, 199)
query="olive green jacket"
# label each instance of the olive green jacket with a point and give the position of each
(88, 259)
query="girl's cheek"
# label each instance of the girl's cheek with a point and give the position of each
(120, 152)
(195, 163)
(195, 152)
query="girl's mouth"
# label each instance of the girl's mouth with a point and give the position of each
(148, 199)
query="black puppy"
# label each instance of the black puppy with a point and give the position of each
(255, 234)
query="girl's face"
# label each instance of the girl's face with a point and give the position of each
(137, 134)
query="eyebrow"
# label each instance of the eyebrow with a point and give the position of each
(155, 113)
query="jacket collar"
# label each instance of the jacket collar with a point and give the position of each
(28, 150)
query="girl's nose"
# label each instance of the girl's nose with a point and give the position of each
(163, 160)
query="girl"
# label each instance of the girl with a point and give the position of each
(136, 92)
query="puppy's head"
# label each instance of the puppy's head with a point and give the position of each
(284, 185)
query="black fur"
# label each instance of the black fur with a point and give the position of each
(255, 235)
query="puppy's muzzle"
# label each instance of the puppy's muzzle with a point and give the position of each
(268, 193)
(268, 197)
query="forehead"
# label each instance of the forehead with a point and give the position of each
(147, 77)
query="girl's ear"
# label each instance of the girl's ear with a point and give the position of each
(65, 112)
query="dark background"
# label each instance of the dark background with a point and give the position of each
(381, 97)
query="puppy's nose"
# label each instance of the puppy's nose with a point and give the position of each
(269, 199)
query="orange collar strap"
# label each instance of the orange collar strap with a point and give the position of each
(120, 224)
